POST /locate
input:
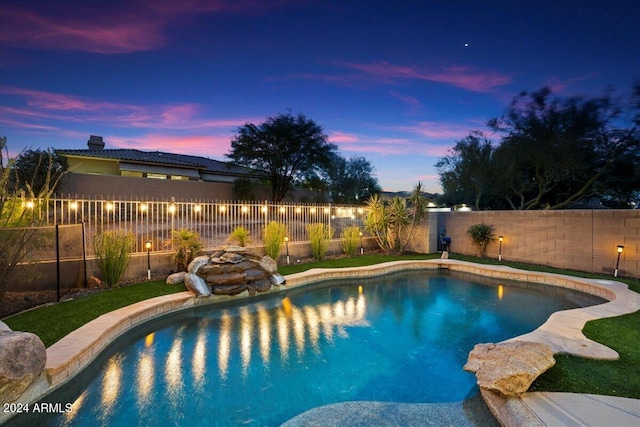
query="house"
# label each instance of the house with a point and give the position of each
(97, 172)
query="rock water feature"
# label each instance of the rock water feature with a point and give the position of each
(229, 271)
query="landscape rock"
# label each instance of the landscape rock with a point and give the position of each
(268, 264)
(22, 360)
(509, 368)
(230, 289)
(196, 285)
(94, 282)
(232, 258)
(176, 278)
(277, 279)
(197, 263)
(234, 249)
(230, 273)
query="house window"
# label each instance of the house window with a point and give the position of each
(156, 176)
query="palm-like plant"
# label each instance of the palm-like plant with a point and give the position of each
(480, 235)
(239, 235)
(187, 243)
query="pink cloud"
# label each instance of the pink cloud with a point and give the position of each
(561, 86)
(197, 145)
(342, 138)
(459, 76)
(389, 146)
(106, 28)
(70, 108)
(437, 130)
(412, 102)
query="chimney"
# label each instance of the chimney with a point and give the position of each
(95, 143)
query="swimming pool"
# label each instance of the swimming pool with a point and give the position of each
(402, 337)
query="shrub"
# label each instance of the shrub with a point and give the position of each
(480, 235)
(272, 238)
(319, 237)
(113, 252)
(350, 238)
(187, 244)
(239, 235)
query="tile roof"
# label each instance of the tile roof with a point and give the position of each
(203, 164)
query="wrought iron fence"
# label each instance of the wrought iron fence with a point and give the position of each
(154, 220)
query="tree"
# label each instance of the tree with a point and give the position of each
(38, 171)
(287, 148)
(351, 181)
(553, 153)
(18, 219)
(467, 173)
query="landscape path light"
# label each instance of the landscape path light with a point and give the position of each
(361, 247)
(500, 239)
(620, 248)
(286, 242)
(148, 246)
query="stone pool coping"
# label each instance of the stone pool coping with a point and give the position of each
(562, 331)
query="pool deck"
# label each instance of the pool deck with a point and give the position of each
(562, 332)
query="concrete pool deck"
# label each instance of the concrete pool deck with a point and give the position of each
(562, 332)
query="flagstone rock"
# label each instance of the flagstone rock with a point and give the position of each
(195, 284)
(509, 368)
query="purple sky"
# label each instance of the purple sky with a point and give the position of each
(395, 81)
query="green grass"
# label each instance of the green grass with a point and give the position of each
(570, 374)
(614, 378)
(356, 261)
(53, 322)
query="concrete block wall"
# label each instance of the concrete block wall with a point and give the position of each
(583, 240)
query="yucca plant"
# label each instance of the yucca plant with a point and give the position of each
(239, 235)
(272, 238)
(187, 244)
(113, 252)
(350, 237)
(319, 237)
(480, 235)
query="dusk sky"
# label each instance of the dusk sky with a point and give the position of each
(397, 82)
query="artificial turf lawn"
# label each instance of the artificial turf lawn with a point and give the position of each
(570, 374)
(53, 322)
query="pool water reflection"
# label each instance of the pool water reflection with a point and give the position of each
(402, 337)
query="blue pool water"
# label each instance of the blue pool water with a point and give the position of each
(402, 337)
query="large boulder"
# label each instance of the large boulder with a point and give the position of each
(22, 360)
(195, 284)
(268, 264)
(196, 263)
(176, 278)
(509, 368)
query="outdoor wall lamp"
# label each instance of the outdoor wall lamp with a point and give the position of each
(620, 248)
(148, 246)
(500, 239)
(361, 247)
(286, 242)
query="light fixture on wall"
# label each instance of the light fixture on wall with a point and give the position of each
(148, 246)
(620, 248)
(500, 239)
(286, 242)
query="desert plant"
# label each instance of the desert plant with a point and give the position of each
(113, 252)
(319, 237)
(393, 224)
(350, 237)
(273, 237)
(480, 235)
(187, 245)
(239, 235)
